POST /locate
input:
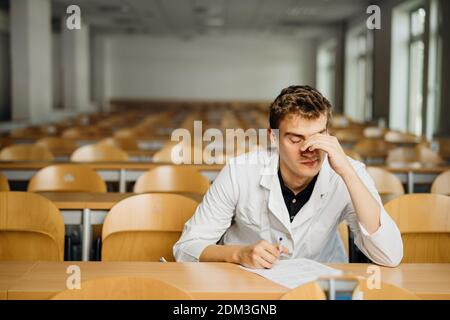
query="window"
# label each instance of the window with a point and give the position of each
(326, 60)
(416, 69)
(358, 75)
(434, 67)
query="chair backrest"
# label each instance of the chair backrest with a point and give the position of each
(353, 154)
(385, 181)
(444, 148)
(86, 132)
(401, 137)
(67, 177)
(145, 227)
(386, 291)
(442, 183)
(31, 228)
(424, 222)
(56, 143)
(373, 148)
(343, 233)
(98, 153)
(349, 135)
(122, 143)
(171, 152)
(172, 179)
(25, 152)
(124, 288)
(308, 291)
(4, 185)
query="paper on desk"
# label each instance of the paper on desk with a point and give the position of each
(295, 272)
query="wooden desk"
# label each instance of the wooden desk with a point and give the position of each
(215, 280)
(10, 273)
(121, 172)
(90, 208)
(133, 155)
(124, 172)
(415, 174)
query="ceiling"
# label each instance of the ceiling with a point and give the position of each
(187, 18)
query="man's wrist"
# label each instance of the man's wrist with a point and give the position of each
(348, 174)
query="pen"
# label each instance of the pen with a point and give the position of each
(279, 244)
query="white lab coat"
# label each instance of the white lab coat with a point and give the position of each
(245, 204)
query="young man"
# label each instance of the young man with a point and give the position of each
(290, 204)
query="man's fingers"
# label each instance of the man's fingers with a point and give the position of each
(273, 249)
(262, 263)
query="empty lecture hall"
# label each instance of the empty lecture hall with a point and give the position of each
(225, 150)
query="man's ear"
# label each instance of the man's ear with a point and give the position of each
(273, 137)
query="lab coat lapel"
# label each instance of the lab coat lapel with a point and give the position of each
(318, 196)
(275, 202)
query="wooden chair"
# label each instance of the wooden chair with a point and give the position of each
(314, 291)
(169, 154)
(145, 227)
(308, 291)
(374, 132)
(84, 132)
(67, 177)
(25, 133)
(57, 144)
(25, 152)
(349, 135)
(124, 288)
(385, 292)
(387, 184)
(98, 153)
(442, 183)
(172, 179)
(419, 154)
(353, 154)
(373, 148)
(398, 137)
(121, 143)
(343, 233)
(444, 148)
(31, 228)
(424, 222)
(4, 185)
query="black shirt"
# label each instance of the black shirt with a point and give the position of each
(295, 202)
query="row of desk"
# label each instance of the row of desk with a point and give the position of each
(42, 280)
(123, 173)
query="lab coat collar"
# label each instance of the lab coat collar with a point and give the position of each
(276, 204)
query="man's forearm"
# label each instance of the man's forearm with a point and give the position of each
(366, 207)
(221, 253)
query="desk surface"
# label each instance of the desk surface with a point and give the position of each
(35, 165)
(96, 200)
(42, 280)
(10, 273)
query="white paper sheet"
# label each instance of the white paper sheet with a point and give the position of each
(295, 272)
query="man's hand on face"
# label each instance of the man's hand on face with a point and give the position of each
(261, 254)
(330, 144)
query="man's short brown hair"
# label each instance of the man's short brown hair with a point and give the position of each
(304, 101)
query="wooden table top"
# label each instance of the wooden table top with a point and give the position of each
(10, 273)
(42, 280)
(35, 165)
(96, 200)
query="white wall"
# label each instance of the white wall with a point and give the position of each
(250, 67)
